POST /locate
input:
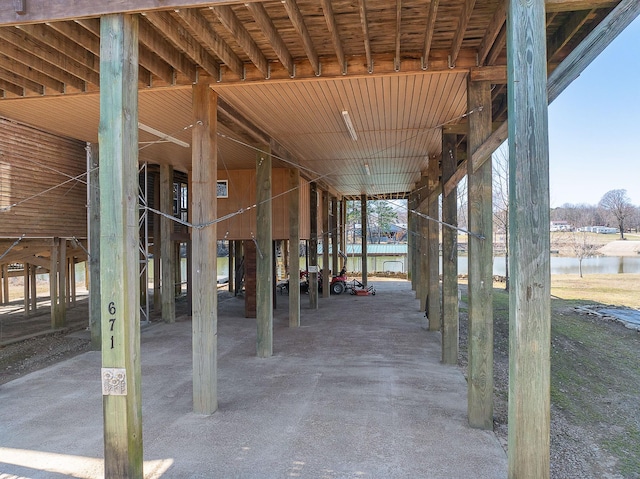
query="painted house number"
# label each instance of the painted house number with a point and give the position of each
(112, 311)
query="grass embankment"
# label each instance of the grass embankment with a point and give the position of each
(595, 367)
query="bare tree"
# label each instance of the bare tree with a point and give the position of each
(617, 203)
(582, 247)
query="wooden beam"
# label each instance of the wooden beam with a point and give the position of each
(93, 227)
(398, 33)
(428, 34)
(294, 248)
(166, 51)
(554, 6)
(85, 69)
(497, 47)
(53, 10)
(229, 20)
(465, 16)
(180, 37)
(59, 43)
(479, 187)
(494, 74)
(203, 30)
(119, 241)
(326, 273)
(312, 273)
(204, 252)
(167, 252)
(492, 31)
(450, 313)
(484, 151)
(271, 32)
(242, 122)
(298, 23)
(332, 25)
(23, 70)
(365, 236)
(364, 21)
(264, 260)
(22, 82)
(11, 88)
(529, 244)
(565, 33)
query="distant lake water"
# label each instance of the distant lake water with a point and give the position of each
(563, 265)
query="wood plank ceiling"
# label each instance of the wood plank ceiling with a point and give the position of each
(287, 69)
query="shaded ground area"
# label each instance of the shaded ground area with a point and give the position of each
(357, 391)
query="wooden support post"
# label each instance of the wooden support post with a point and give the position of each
(264, 258)
(34, 288)
(343, 225)
(529, 297)
(93, 163)
(410, 240)
(363, 222)
(27, 290)
(333, 229)
(204, 251)
(67, 299)
(450, 313)
(313, 246)
(294, 248)
(231, 269)
(177, 269)
(433, 311)
(157, 240)
(53, 282)
(190, 244)
(480, 396)
(5, 283)
(167, 253)
(423, 263)
(72, 280)
(63, 270)
(119, 240)
(433, 248)
(238, 263)
(326, 270)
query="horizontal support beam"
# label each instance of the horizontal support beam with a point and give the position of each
(38, 11)
(495, 74)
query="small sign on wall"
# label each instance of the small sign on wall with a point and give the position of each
(223, 189)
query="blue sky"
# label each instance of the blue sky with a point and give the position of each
(594, 127)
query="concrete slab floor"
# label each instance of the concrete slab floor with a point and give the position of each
(357, 391)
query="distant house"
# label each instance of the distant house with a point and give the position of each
(560, 226)
(599, 229)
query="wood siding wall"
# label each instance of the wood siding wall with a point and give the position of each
(242, 195)
(32, 164)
